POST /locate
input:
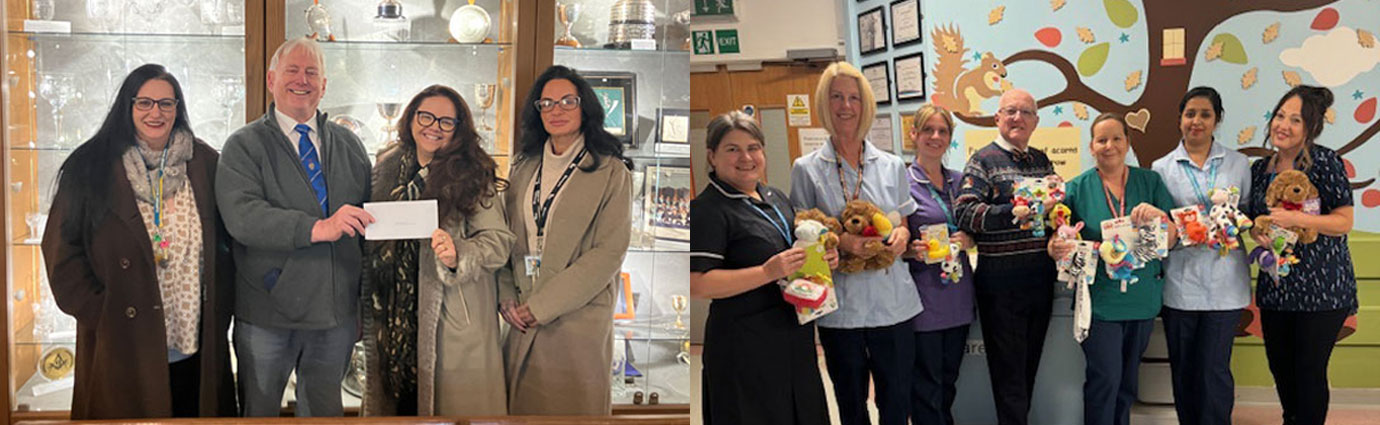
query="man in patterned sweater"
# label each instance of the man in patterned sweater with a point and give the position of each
(1015, 277)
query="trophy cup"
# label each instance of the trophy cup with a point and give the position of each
(43, 10)
(484, 94)
(389, 111)
(355, 379)
(679, 303)
(319, 22)
(568, 13)
(36, 222)
(58, 89)
(629, 21)
(229, 90)
(469, 24)
(104, 13)
(391, 20)
(682, 20)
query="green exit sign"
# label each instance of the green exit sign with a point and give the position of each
(727, 41)
(704, 42)
(713, 7)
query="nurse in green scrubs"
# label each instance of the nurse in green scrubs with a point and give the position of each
(1121, 320)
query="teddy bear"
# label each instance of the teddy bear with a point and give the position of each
(863, 218)
(1293, 191)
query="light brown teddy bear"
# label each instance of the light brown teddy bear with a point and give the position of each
(831, 239)
(862, 218)
(1292, 191)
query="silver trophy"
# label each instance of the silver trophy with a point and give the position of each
(631, 20)
(568, 13)
(43, 10)
(58, 89)
(355, 379)
(391, 22)
(319, 22)
(389, 111)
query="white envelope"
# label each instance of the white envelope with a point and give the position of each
(401, 220)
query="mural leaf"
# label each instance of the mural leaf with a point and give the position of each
(1092, 59)
(1213, 52)
(1055, 5)
(1121, 12)
(1292, 79)
(1232, 50)
(1331, 115)
(1271, 33)
(1085, 35)
(1133, 81)
(995, 15)
(1049, 36)
(1080, 110)
(1365, 112)
(1245, 135)
(1325, 19)
(1365, 38)
(1248, 79)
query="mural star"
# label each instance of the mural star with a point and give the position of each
(953, 145)
(1357, 94)
(1269, 114)
(977, 56)
(1124, 37)
(1058, 110)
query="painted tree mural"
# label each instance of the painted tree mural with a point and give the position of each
(1165, 79)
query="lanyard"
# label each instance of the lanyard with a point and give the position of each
(157, 191)
(943, 205)
(1211, 182)
(782, 230)
(1121, 211)
(838, 165)
(540, 210)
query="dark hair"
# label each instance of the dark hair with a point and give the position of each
(723, 124)
(533, 133)
(1203, 91)
(463, 174)
(1314, 102)
(84, 177)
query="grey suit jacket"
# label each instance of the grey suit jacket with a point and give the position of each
(281, 278)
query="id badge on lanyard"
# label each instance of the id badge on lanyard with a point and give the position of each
(540, 210)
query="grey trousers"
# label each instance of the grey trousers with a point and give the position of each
(268, 355)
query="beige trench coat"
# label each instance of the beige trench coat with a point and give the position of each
(561, 367)
(460, 368)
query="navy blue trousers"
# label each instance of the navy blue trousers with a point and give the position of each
(938, 355)
(1200, 363)
(1113, 351)
(887, 354)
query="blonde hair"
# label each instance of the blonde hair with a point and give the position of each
(869, 102)
(929, 110)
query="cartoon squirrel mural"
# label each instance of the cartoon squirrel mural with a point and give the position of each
(960, 89)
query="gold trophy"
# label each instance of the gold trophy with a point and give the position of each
(679, 303)
(568, 13)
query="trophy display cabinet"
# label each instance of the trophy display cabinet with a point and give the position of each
(64, 60)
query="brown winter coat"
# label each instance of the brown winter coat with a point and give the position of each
(561, 366)
(108, 281)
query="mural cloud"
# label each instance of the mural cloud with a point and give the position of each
(1332, 59)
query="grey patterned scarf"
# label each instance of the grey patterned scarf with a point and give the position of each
(141, 166)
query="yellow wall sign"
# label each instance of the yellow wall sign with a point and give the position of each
(1061, 144)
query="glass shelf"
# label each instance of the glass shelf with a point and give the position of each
(125, 37)
(392, 45)
(657, 328)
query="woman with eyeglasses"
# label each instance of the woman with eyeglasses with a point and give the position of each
(431, 306)
(569, 208)
(136, 251)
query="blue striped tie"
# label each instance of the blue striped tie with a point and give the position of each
(312, 164)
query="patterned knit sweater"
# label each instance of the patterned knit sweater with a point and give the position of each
(1008, 257)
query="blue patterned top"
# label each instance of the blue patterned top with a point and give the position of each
(1324, 279)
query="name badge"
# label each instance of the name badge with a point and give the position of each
(532, 263)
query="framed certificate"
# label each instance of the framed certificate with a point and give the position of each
(878, 77)
(871, 31)
(880, 135)
(905, 22)
(667, 199)
(910, 77)
(617, 92)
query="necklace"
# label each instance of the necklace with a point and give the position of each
(161, 244)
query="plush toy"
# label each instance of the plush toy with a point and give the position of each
(1059, 216)
(1028, 199)
(1151, 241)
(863, 218)
(810, 289)
(1293, 191)
(936, 250)
(1192, 231)
(1119, 263)
(1225, 220)
(951, 270)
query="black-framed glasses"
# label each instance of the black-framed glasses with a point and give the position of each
(146, 103)
(425, 119)
(568, 103)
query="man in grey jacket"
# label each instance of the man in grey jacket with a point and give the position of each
(289, 186)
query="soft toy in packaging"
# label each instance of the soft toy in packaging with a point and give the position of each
(810, 289)
(1192, 230)
(863, 218)
(1225, 220)
(1291, 190)
(1028, 200)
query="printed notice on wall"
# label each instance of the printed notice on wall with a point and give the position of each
(798, 109)
(811, 139)
(1061, 144)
